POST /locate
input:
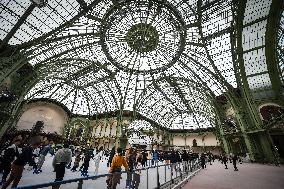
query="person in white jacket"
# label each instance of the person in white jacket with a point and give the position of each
(98, 158)
(61, 159)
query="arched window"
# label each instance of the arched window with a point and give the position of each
(194, 143)
(79, 132)
(270, 111)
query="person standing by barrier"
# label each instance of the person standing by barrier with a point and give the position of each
(115, 168)
(19, 164)
(137, 173)
(185, 159)
(173, 160)
(131, 162)
(155, 158)
(60, 160)
(179, 160)
(144, 158)
(202, 160)
(150, 156)
(167, 158)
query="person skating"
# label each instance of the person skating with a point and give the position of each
(77, 161)
(9, 155)
(45, 150)
(62, 158)
(98, 158)
(87, 157)
(19, 164)
(111, 155)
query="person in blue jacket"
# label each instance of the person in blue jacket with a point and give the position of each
(155, 157)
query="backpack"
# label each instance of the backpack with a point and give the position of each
(10, 153)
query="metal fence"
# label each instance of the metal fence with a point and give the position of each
(161, 176)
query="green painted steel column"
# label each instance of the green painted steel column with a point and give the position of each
(221, 132)
(245, 112)
(118, 131)
(121, 140)
(266, 147)
(273, 20)
(243, 124)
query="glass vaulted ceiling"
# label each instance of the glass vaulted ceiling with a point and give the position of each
(164, 59)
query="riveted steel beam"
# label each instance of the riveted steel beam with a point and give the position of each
(17, 25)
(273, 20)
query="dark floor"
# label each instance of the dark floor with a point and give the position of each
(249, 176)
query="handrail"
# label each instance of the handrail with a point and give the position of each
(55, 183)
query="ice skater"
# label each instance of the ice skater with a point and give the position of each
(98, 158)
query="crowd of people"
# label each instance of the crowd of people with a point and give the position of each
(224, 159)
(13, 160)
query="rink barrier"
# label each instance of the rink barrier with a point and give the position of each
(174, 180)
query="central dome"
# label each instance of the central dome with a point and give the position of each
(143, 36)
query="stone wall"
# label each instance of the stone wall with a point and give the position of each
(208, 139)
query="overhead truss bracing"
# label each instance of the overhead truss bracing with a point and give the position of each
(166, 60)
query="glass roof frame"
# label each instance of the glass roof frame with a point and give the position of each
(92, 82)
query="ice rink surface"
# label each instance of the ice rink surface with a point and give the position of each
(48, 175)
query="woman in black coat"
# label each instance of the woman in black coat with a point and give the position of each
(202, 160)
(111, 155)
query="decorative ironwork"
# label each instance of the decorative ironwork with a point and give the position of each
(143, 35)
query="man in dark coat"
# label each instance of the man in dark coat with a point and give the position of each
(144, 159)
(225, 160)
(209, 158)
(202, 161)
(111, 155)
(87, 157)
(235, 159)
(185, 159)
